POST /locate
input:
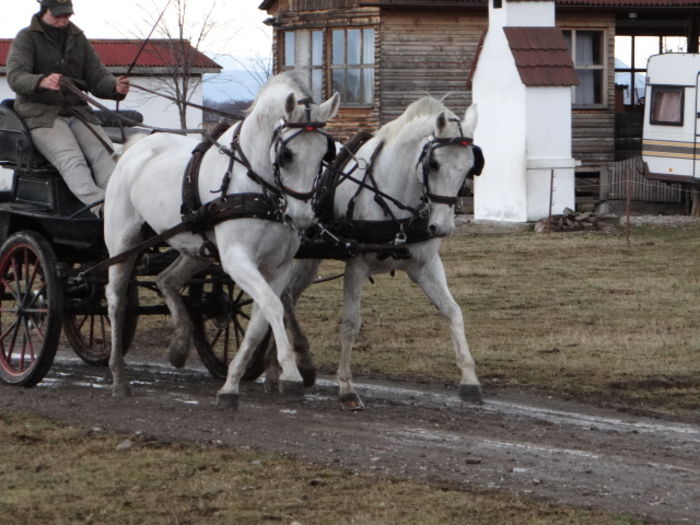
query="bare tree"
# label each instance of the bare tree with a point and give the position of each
(258, 68)
(183, 37)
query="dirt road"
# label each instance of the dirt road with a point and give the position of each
(554, 449)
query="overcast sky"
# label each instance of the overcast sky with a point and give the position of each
(239, 32)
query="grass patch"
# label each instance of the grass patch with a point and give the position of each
(581, 314)
(58, 474)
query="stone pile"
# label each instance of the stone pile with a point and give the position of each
(571, 221)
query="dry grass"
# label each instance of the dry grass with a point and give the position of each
(585, 314)
(57, 474)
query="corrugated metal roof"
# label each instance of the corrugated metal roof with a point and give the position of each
(158, 53)
(542, 56)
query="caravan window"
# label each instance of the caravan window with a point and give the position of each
(667, 105)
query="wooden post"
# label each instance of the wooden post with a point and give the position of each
(551, 198)
(628, 203)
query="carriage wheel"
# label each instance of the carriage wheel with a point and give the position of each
(90, 335)
(220, 312)
(31, 304)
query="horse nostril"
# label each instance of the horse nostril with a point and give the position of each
(432, 229)
(287, 219)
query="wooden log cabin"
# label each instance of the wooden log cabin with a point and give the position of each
(383, 54)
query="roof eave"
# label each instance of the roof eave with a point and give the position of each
(161, 70)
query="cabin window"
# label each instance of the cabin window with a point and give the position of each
(304, 50)
(667, 105)
(588, 54)
(352, 65)
(632, 53)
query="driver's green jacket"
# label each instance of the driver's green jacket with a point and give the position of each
(34, 55)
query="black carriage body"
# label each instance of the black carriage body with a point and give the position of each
(39, 199)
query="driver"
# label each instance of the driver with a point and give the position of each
(62, 125)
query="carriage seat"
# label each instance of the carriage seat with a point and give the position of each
(16, 146)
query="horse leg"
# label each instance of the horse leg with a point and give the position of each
(116, 293)
(355, 277)
(432, 280)
(304, 273)
(170, 281)
(228, 394)
(245, 273)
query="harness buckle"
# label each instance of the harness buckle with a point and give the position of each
(424, 209)
(400, 238)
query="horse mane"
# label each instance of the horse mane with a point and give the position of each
(423, 107)
(294, 79)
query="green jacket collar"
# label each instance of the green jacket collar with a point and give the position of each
(35, 25)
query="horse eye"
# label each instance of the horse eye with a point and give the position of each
(434, 165)
(285, 156)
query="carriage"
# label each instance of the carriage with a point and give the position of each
(49, 241)
(56, 255)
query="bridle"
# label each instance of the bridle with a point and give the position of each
(428, 162)
(283, 155)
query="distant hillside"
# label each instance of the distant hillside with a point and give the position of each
(230, 84)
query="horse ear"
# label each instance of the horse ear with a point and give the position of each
(440, 123)
(289, 105)
(330, 107)
(470, 119)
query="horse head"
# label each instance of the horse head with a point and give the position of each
(298, 148)
(446, 158)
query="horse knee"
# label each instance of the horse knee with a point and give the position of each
(349, 329)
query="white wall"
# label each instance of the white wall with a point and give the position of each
(548, 134)
(525, 132)
(528, 14)
(499, 193)
(157, 111)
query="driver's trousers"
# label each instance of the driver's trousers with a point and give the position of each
(83, 162)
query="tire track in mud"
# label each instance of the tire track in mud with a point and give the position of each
(549, 448)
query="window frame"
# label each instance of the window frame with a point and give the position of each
(634, 69)
(310, 67)
(365, 101)
(327, 68)
(603, 67)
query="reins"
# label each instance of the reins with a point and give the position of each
(197, 218)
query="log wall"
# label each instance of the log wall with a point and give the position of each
(427, 52)
(430, 51)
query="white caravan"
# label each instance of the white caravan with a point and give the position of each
(670, 148)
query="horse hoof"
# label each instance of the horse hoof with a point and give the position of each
(308, 374)
(470, 394)
(292, 390)
(177, 357)
(226, 401)
(351, 401)
(272, 386)
(121, 390)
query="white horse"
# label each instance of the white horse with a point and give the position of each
(404, 188)
(277, 153)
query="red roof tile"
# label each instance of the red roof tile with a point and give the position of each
(158, 53)
(541, 56)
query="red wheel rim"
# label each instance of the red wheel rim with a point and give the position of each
(23, 310)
